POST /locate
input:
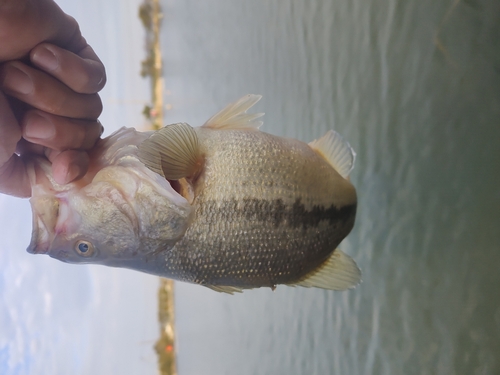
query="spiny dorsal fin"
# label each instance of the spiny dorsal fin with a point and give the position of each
(225, 289)
(336, 151)
(339, 272)
(172, 152)
(235, 116)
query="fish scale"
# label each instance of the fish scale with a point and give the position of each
(275, 255)
(270, 237)
(223, 205)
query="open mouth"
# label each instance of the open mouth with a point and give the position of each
(45, 213)
(184, 188)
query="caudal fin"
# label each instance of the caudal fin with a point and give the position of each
(339, 272)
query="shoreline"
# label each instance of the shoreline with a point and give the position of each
(151, 16)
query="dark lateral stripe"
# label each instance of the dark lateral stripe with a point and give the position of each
(275, 212)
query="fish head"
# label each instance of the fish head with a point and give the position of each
(93, 225)
(120, 217)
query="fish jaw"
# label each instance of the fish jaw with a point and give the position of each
(52, 218)
(45, 213)
(47, 202)
(125, 211)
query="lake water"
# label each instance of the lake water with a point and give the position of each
(414, 86)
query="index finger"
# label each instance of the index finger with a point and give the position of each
(83, 72)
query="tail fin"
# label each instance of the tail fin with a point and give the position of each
(339, 272)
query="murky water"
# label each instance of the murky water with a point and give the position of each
(415, 88)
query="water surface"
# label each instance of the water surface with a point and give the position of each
(415, 88)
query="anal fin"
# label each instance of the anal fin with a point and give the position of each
(338, 272)
(224, 289)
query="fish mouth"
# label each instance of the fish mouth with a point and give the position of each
(45, 213)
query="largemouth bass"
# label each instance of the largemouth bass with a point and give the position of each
(223, 205)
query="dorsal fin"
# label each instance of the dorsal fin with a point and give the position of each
(339, 272)
(336, 151)
(172, 152)
(235, 116)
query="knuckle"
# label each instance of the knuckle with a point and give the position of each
(83, 84)
(102, 80)
(96, 78)
(91, 79)
(54, 106)
(95, 106)
(80, 138)
(87, 136)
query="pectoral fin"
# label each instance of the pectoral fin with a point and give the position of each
(339, 272)
(235, 115)
(172, 152)
(336, 151)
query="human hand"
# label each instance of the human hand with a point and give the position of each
(62, 119)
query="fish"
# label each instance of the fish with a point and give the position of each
(225, 205)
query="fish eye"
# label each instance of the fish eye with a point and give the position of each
(84, 248)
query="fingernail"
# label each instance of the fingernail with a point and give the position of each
(17, 80)
(73, 172)
(39, 127)
(46, 59)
